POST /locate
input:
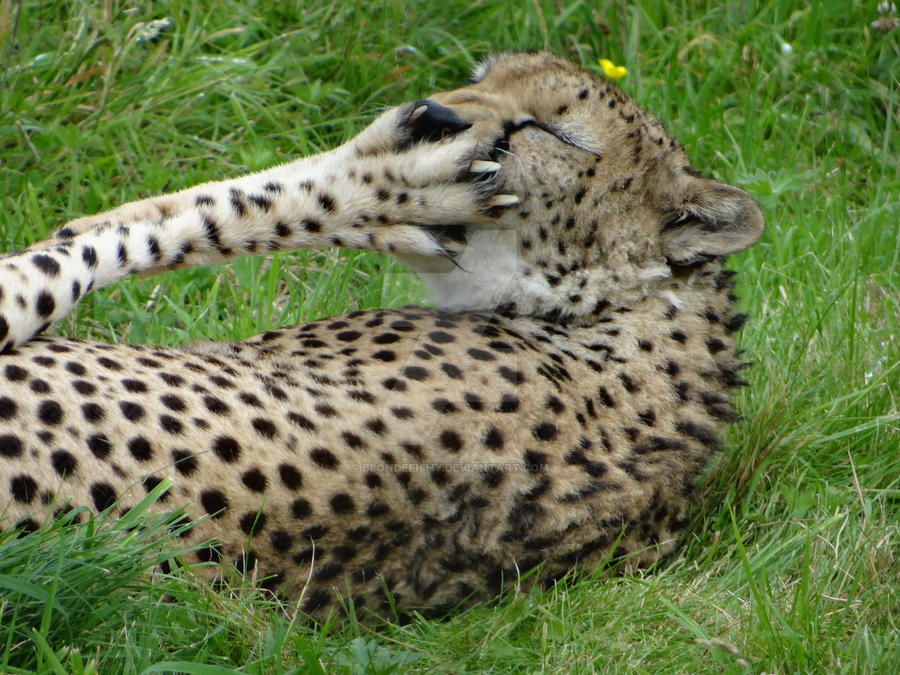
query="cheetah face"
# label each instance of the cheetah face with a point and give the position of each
(610, 205)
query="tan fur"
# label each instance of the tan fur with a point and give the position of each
(559, 416)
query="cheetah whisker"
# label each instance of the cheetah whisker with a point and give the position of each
(449, 256)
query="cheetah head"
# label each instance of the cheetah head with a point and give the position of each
(610, 206)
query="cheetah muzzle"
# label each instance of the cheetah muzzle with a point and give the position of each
(552, 414)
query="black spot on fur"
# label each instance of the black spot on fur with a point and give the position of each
(480, 354)
(185, 463)
(415, 373)
(49, 412)
(252, 522)
(281, 541)
(103, 495)
(451, 371)
(140, 448)
(301, 421)
(290, 476)
(535, 462)
(326, 201)
(342, 503)
(301, 508)
(45, 305)
(545, 431)
(16, 373)
(8, 408)
(264, 427)
(441, 337)
(254, 479)
(23, 488)
(493, 438)
(450, 440)
(133, 386)
(46, 264)
(214, 503)
(236, 199)
(628, 383)
(226, 448)
(10, 446)
(99, 445)
(324, 458)
(511, 375)
(508, 403)
(131, 411)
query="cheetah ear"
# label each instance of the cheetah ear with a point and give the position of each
(715, 219)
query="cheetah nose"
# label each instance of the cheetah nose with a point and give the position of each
(431, 121)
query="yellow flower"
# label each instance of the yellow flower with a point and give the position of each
(611, 70)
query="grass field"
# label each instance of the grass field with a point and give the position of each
(793, 562)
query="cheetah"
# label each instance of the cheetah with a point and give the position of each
(552, 413)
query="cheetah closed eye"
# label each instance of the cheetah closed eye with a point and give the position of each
(555, 411)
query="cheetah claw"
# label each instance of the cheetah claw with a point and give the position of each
(501, 200)
(484, 166)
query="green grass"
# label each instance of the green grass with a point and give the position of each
(792, 564)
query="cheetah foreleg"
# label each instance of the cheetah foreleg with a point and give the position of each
(389, 133)
(362, 195)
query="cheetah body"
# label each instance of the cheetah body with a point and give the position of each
(555, 412)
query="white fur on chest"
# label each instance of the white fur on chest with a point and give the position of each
(488, 274)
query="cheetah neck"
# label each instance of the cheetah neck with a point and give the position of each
(491, 275)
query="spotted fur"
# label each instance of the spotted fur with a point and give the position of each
(554, 412)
